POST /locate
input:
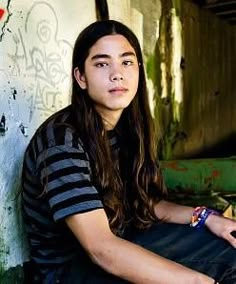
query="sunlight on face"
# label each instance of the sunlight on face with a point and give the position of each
(111, 76)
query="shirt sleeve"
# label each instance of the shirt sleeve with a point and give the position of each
(65, 174)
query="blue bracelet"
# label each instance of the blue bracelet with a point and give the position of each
(199, 220)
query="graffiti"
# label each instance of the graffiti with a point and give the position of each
(3, 127)
(2, 11)
(45, 100)
(23, 129)
(4, 16)
(39, 55)
(11, 106)
(14, 94)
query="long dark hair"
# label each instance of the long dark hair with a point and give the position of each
(130, 189)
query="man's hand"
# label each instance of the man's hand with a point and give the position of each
(222, 227)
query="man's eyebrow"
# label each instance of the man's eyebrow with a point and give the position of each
(100, 55)
(104, 55)
(128, 53)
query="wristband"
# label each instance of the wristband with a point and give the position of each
(200, 215)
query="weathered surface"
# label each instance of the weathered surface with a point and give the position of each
(201, 175)
(209, 86)
(209, 182)
(36, 39)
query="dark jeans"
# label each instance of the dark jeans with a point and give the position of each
(195, 248)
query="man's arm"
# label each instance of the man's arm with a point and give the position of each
(173, 213)
(125, 259)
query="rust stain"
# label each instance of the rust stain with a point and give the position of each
(215, 173)
(209, 179)
(174, 165)
(171, 165)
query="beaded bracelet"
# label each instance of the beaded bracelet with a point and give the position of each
(200, 214)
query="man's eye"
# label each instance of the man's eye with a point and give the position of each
(101, 64)
(128, 62)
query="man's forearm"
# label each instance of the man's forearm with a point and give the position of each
(173, 213)
(137, 265)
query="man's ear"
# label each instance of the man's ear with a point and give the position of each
(80, 79)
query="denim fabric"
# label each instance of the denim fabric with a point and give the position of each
(195, 248)
(81, 272)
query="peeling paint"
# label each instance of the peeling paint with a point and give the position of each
(24, 129)
(169, 104)
(175, 165)
(14, 94)
(177, 80)
(154, 74)
(3, 127)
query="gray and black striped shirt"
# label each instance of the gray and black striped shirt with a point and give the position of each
(56, 183)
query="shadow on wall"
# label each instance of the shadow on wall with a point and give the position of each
(225, 147)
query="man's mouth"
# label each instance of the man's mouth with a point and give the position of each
(118, 90)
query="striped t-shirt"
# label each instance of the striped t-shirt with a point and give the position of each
(56, 183)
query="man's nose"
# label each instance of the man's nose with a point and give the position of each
(117, 77)
(116, 74)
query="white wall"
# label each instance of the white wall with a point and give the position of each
(36, 40)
